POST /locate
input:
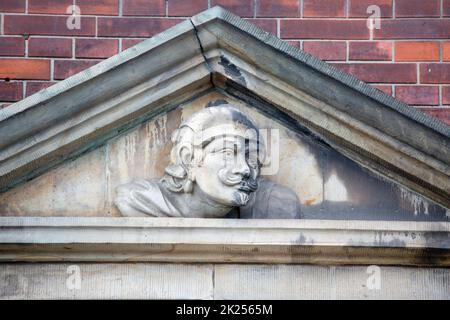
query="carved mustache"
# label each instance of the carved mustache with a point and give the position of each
(247, 185)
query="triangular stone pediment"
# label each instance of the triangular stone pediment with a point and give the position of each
(346, 150)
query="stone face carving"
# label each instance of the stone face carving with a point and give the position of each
(215, 164)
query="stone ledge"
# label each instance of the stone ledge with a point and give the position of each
(41, 239)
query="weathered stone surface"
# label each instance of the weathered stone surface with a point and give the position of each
(144, 152)
(177, 281)
(77, 188)
(105, 281)
(316, 282)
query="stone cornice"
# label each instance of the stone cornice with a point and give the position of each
(222, 240)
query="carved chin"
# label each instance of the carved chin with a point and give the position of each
(241, 198)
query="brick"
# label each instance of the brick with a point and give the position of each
(414, 29)
(371, 50)
(326, 50)
(242, 8)
(98, 7)
(358, 8)
(446, 51)
(323, 8)
(443, 114)
(324, 29)
(183, 8)
(133, 27)
(11, 91)
(12, 46)
(50, 47)
(128, 43)
(277, 9)
(47, 25)
(381, 72)
(446, 95)
(269, 25)
(12, 6)
(49, 6)
(144, 7)
(385, 89)
(446, 8)
(417, 8)
(33, 86)
(435, 73)
(67, 68)
(96, 48)
(418, 95)
(417, 51)
(25, 69)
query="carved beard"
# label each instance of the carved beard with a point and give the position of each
(246, 185)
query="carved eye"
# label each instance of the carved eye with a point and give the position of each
(228, 152)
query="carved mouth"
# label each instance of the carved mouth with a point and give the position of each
(245, 189)
(248, 186)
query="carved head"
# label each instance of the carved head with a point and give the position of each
(219, 151)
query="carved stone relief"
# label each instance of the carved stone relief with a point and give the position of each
(215, 166)
(143, 172)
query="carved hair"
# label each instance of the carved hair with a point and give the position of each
(177, 177)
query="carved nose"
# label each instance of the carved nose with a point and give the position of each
(243, 170)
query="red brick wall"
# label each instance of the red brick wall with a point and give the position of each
(408, 57)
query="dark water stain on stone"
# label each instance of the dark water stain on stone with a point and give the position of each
(232, 70)
(215, 103)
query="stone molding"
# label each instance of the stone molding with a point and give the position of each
(178, 240)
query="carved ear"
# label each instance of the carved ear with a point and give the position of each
(185, 154)
(186, 157)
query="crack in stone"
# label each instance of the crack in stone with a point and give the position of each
(208, 66)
